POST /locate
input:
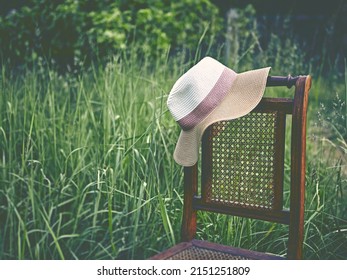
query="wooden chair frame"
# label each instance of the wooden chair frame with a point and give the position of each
(294, 218)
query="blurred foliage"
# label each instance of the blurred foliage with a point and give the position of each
(70, 30)
(247, 48)
(286, 33)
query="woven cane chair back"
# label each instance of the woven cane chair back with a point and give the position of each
(244, 158)
(243, 164)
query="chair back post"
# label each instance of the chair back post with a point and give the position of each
(298, 166)
(188, 229)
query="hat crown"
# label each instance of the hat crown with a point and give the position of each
(193, 87)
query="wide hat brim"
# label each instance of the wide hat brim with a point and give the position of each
(244, 95)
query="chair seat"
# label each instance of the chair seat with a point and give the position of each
(204, 250)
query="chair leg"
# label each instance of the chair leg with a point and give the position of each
(189, 213)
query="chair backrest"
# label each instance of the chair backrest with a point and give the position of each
(242, 166)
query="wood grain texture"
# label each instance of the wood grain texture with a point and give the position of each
(278, 216)
(188, 229)
(298, 168)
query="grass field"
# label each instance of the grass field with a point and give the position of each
(86, 167)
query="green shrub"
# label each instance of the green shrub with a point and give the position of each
(69, 30)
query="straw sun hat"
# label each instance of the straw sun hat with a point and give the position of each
(210, 92)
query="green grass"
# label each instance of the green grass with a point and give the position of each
(86, 168)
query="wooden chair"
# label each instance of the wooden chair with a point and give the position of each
(242, 170)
